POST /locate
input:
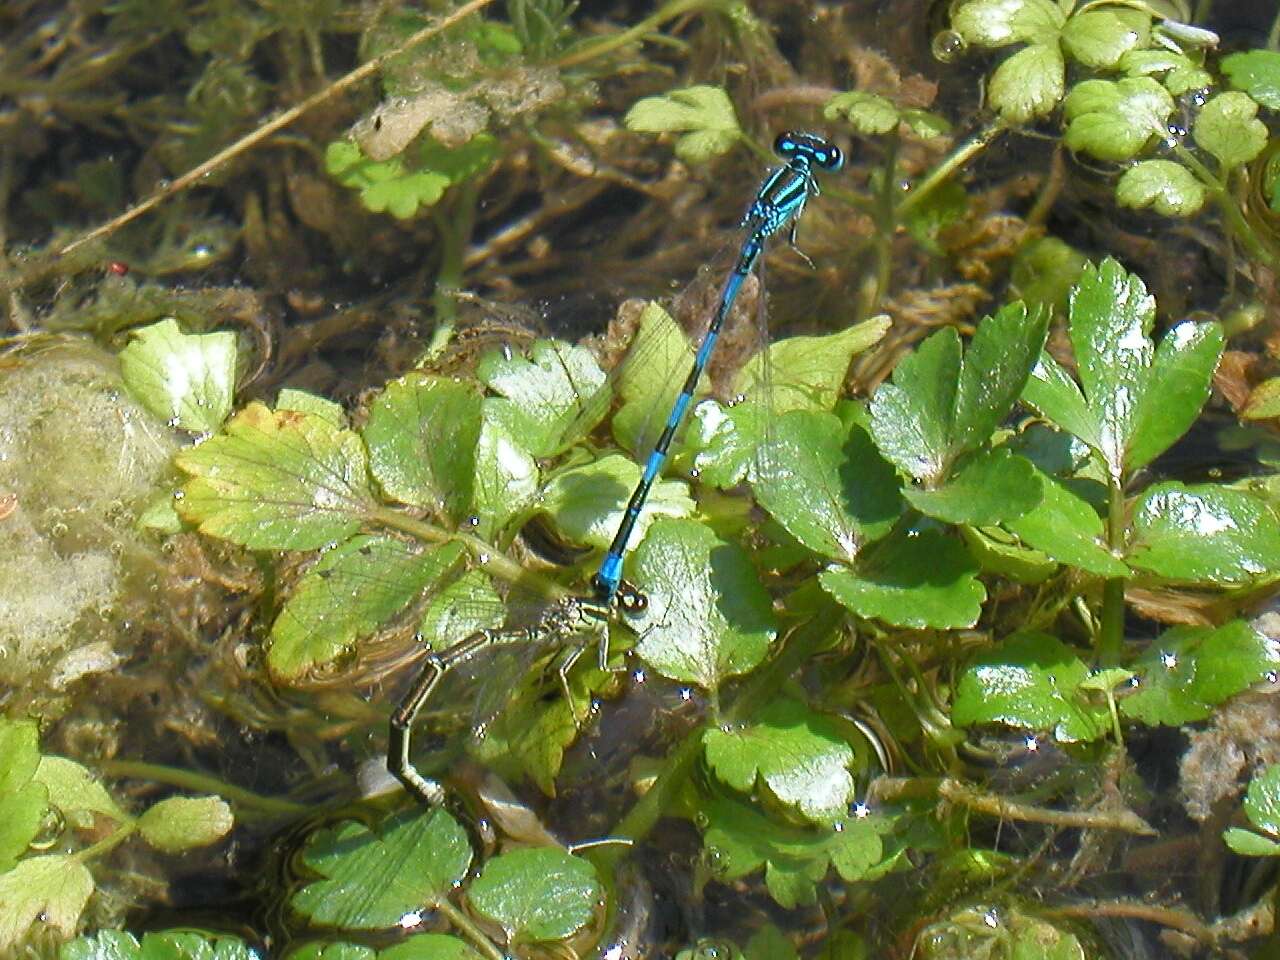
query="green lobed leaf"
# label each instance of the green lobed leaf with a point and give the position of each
(1264, 401)
(183, 823)
(1177, 387)
(800, 756)
(1066, 527)
(303, 402)
(19, 753)
(587, 503)
(1204, 534)
(21, 814)
(1228, 127)
(1168, 188)
(277, 480)
(925, 124)
(537, 894)
(1052, 393)
(384, 185)
(988, 488)
(912, 416)
(1257, 73)
(170, 945)
(427, 946)
(920, 580)
(1115, 119)
(1028, 84)
(352, 591)
(1030, 680)
(994, 371)
(1249, 844)
(75, 791)
(466, 605)
(703, 114)
(995, 23)
(188, 381)
(998, 551)
(868, 113)
(1098, 38)
(1181, 73)
(1111, 317)
(370, 881)
(422, 435)
(1262, 800)
(739, 840)
(1188, 671)
(834, 495)
(725, 441)
(542, 394)
(708, 617)
(51, 890)
(506, 482)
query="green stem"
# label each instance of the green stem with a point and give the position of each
(668, 11)
(943, 171)
(460, 921)
(191, 780)
(1235, 218)
(489, 557)
(1111, 631)
(107, 843)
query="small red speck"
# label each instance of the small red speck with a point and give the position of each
(118, 267)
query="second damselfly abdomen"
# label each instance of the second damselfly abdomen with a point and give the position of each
(779, 202)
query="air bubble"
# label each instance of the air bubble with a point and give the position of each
(947, 45)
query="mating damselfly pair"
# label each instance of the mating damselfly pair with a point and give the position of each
(572, 624)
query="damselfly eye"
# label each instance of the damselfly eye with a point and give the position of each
(785, 146)
(830, 159)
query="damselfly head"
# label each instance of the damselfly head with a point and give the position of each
(630, 600)
(813, 148)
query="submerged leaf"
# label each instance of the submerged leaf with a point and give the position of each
(51, 889)
(537, 894)
(1228, 127)
(1168, 188)
(181, 823)
(1029, 84)
(1115, 119)
(370, 881)
(704, 115)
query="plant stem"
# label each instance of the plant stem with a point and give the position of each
(462, 922)
(1110, 641)
(192, 780)
(943, 171)
(1235, 219)
(650, 23)
(107, 843)
(961, 793)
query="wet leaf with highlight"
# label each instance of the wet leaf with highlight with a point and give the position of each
(277, 480)
(1168, 188)
(1028, 84)
(1228, 127)
(1115, 119)
(186, 380)
(537, 894)
(987, 489)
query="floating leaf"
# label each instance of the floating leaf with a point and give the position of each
(1181, 73)
(1030, 680)
(352, 591)
(832, 496)
(537, 894)
(182, 823)
(1099, 38)
(1204, 534)
(708, 616)
(987, 489)
(187, 381)
(1168, 188)
(798, 755)
(373, 880)
(995, 23)
(422, 435)
(704, 115)
(868, 113)
(1257, 73)
(174, 945)
(281, 480)
(1188, 671)
(1115, 119)
(427, 946)
(921, 580)
(739, 840)
(506, 480)
(587, 503)
(540, 395)
(1228, 127)
(51, 890)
